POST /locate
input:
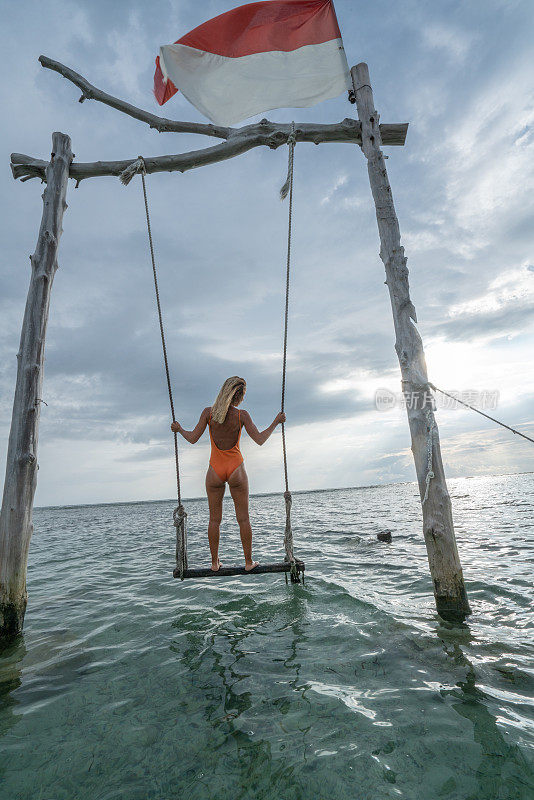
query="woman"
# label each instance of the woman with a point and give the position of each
(225, 421)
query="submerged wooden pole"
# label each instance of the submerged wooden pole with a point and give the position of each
(16, 524)
(443, 558)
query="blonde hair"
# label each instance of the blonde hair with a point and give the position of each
(232, 391)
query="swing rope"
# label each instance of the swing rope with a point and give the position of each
(287, 189)
(179, 515)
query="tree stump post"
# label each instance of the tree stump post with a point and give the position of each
(438, 528)
(16, 515)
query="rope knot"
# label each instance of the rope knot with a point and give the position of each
(292, 138)
(288, 533)
(132, 169)
(430, 444)
(179, 518)
(179, 515)
(291, 142)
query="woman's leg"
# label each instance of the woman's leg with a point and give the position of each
(215, 491)
(238, 483)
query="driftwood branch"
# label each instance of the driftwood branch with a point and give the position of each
(438, 527)
(161, 124)
(26, 167)
(391, 134)
(237, 140)
(264, 133)
(21, 464)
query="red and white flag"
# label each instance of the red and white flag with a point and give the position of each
(276, 54)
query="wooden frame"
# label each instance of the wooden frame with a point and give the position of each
(17, 505)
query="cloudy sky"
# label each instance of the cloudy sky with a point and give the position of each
(461, 73)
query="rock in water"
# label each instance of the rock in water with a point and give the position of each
(384, 536)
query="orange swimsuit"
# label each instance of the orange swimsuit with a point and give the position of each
(224, 462)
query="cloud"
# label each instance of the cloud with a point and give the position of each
(462, 187)
(343, 194)
(506, 308)
(129, 53)
(509, 291)
(454, 43)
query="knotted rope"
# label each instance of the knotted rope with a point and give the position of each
(288, 533)
(431, 424)
(288, 185)
(179, 516)
(131, 170)
(286, 189)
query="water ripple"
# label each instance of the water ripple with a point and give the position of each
(128, 684)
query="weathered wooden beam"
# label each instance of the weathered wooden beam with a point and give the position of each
(262, 569)
(444, 561)
(161, 124)
(261, 134)
(236, 140)
(345, 131)
(16, 515)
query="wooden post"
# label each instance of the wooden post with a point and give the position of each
(21, 470)
(443, 558)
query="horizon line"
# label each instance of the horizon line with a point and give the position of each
(273, 494)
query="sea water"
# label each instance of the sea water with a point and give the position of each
(129, 684)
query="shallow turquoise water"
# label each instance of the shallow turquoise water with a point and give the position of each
(129, 684)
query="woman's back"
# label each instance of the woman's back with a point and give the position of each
(226, 462)
(226, 435)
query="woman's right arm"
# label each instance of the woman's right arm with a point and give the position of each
(260, 437)
(193, 436)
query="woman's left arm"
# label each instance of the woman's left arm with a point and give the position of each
(193, 436)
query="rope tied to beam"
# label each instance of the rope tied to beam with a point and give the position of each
(287, 189)
(179, 516)
(131, 170)
(288, 185)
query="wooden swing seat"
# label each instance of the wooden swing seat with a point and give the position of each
(224, 572)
